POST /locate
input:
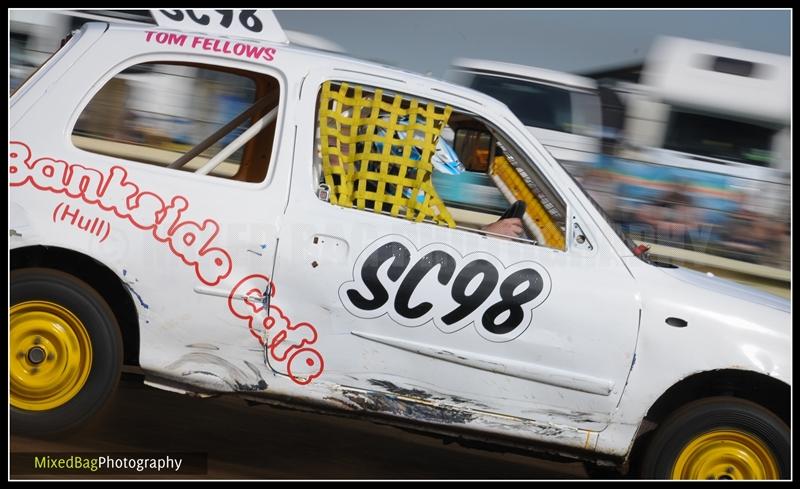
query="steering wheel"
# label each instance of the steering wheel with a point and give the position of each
(517, 209)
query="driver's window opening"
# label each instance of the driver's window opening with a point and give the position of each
(411, 158)
(209, 120)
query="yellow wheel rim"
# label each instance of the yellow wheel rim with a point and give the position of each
(50, 355)
(726, 454)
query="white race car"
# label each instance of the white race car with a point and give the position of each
(309, 260)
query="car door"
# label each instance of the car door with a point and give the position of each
(193, 244)
(486, 328)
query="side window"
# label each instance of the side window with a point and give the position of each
(417, 159)
(189, 117)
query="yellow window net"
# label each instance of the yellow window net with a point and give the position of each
(376, 151)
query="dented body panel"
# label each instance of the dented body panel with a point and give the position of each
(264, 290)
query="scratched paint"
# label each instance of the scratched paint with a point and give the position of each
(408, 409)
(416, 393)
(235, 378)
(203, 346)
(287, 341)
(394, 389)
(136, 294)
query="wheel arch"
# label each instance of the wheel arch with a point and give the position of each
(764, 390)
(768, 392)
(96, 274)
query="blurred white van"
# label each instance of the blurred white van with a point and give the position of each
(702, 105)
(717, 109)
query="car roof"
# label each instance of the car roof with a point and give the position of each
(534, 73)
(346, 61)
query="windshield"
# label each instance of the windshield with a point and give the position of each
(542, 105)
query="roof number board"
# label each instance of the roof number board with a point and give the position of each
(253, 24)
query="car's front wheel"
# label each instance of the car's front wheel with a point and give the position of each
(65, 351)
(721, 438)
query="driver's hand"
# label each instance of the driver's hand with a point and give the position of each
(507, 227)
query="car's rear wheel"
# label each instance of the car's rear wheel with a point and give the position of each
(722, 438)
(65, 351)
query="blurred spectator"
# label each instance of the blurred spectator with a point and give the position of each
(750, 235)
(673, 217)
(601, 185)
(745, 238)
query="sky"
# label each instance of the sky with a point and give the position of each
(575, 41)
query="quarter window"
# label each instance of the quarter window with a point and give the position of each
(188, 117)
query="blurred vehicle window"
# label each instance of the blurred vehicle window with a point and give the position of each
(535, 104)
(20, 67)
(719, 138)
(538, 104)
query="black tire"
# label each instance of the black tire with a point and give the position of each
(706, 416)
(100, 324)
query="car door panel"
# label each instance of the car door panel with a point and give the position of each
(542, 374)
